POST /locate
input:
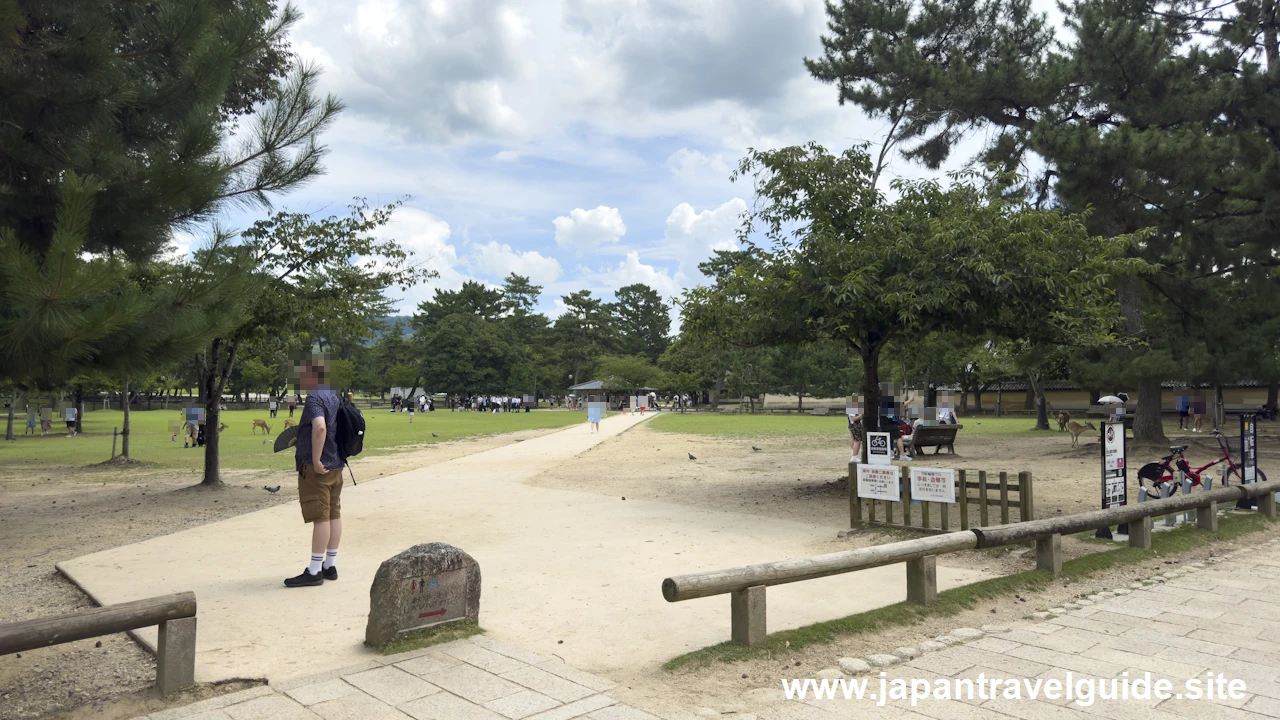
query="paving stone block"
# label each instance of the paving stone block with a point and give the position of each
(212, 703)
(425, 665)
(944, 663)
(391, 685)
(474, 684)
(574, 675)
(575, 709)
(357, 707)
(321, 691)
(510, 651)
(548, 684)
(270, 707)
(996, 645)
(620, 712)
(443, 706)
(484, 659)
(522, 704)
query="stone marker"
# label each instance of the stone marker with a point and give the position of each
(426, 585)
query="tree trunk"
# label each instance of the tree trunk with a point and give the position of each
(1029, 402)
(964, 400)
(715, 393)
(1219, 408)
(1147, 429)
(977, 399)
(79, 399)
(1093, 396)
(1273, 394)
(999, 399)
(214, 380)
(1035, 382)
(13, 407)
(799, 402)
(870, 394)
(124, 435)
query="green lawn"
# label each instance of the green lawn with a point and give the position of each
(151, 442)
(808, 425)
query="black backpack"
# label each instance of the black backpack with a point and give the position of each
(348, 432)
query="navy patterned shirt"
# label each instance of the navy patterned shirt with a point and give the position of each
(320, 403)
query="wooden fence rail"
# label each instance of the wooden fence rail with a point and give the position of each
(175, 650)
(746, 585)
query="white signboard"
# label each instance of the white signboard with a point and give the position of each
(878, 452)
(933, 484)
(1114, 477)
(878, 482)
(642, 401)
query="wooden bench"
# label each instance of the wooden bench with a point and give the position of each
(935, 436)
(819, 410)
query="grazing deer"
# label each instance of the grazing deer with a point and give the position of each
(289, 423)
(266, 429)
(1064, 417)
(1076, 430)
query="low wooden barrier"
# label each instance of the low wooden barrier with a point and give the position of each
(175, 650)
(746, 585)
(992, 490)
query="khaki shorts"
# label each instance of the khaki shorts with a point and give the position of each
(320, 495)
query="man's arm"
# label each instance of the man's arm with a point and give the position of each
(318, 434)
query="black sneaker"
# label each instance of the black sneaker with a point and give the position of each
(306, 579)
(330, 573)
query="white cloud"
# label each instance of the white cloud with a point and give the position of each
(500, 260)
(428, 238)
(689, 164)
(691, 236)
(585, 230)
(631, 271)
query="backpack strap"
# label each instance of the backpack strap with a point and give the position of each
(353, 475)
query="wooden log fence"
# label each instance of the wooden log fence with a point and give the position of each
(746, 585)
(998, 490)
(175, 648)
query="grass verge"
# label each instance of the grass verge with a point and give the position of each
(956, 600)
(427, 637)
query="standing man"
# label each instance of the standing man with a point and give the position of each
(319, 474)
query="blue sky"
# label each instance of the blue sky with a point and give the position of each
(585, 143)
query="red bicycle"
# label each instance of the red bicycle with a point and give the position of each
(1165, 471)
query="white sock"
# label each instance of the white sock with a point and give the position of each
(330, 558)
(316, 560)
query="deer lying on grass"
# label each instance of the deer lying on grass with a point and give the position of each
(1064, 417)
(1076, 430)
(266, 429)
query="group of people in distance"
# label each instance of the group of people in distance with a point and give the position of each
(422, 403)
(896, 421)
(489, 403)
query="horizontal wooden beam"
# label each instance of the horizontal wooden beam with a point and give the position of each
(1068, 524)
(718, 582)
(43, 632)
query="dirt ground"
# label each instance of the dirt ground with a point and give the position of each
(63, 513)
(805, 479)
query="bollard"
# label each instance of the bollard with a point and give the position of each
(1165, 492)
(747, 615)
(1140, 533)
(1267, 505)
(1049, 553)
(1189, 515)
(176, 655)
(922, 580)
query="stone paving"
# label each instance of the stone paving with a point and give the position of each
(1178, 625)
(472, 679)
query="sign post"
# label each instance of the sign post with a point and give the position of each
(1115, 476)
(933, 485)
(878, 449)
(1248, 457)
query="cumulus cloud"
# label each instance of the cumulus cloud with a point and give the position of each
(428, 238)
(691, 165)
(631, 271)
(691, 236)
(583, 230)
(499, 260)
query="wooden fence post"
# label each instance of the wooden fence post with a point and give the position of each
(963, 479)
(982, 497)
(1004, 498)
(904, 477)
(176, 655)
(1026, 497)
(855, 502)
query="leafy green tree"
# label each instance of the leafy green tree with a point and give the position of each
(312, 279)
(1153, 114)
(627, 372)
(466, 353)
(819, 368)
(642, 321)
(585, 332)
(847, 265)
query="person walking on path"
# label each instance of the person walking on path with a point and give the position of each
(319, 474)
(293, 404)
(856, 428)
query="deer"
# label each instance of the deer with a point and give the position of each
(266, 429)
(222, 426)
(1064, 417)
(1076, 430)
(289, 423)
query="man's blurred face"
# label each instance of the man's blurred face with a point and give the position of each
(308, 377)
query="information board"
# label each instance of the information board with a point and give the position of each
(878, 449)
(1248, 448)
(1115, 487)
(933, 484)
(878, 482)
